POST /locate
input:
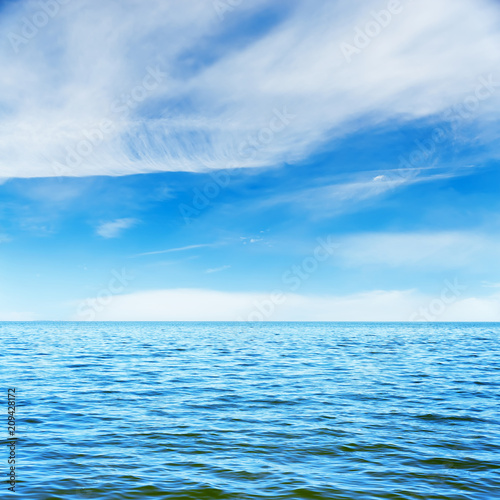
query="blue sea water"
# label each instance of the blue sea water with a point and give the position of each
(253, 411)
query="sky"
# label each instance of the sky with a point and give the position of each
(235, 160)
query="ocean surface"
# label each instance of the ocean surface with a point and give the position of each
(253, 411)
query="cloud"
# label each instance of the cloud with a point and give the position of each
(343, 195)
(211, 305)
(442, 249)
(217, 269)
(156, 89)
(5, 238)
(17, 316)
(247, 239)
(488, 284)
(115, 228)
(178, 249)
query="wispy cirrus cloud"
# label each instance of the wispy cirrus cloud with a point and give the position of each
(211, 100)
(217, 269)
(177, 249)
(489, 284)
(343, 194)
(115, 228)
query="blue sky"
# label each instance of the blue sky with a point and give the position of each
(327, 160)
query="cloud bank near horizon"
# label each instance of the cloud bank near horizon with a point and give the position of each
(116, 88)
(451, 304)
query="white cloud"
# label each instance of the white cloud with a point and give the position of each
(16, 316)
(474, 309)
(429, 249)
(217, 269)
(60, 86)
(349, 194)
(5, 238)
(488, 284)
(115, 228)
(210, 305)
(178, 249)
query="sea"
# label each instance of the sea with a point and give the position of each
(347, 411)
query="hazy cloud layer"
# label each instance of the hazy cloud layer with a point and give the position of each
(378, 305)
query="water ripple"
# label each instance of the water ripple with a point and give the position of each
(261, 411)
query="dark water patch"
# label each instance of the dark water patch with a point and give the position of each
(451, 418)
